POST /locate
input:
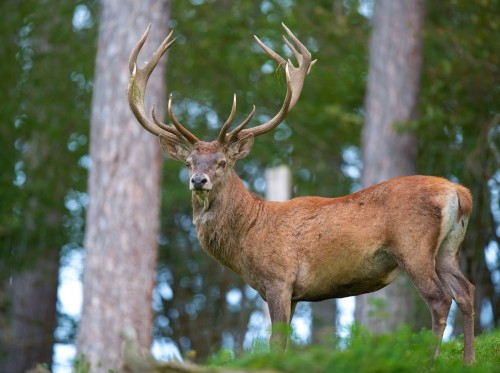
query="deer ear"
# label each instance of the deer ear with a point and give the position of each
(175, 150)
(241, 148)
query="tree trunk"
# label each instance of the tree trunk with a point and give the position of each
(31, 302)
(324, 321)
(124, 189)
(389, 144)
(42, 110)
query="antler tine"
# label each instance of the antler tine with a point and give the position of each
(138, 82)
(303, 57)
(301, 46)
(192, 139)
(137, 48)
(275, 56)
(222, 135)
(164, 46)
(234, 133)
(163, 126)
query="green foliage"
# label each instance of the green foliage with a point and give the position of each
(402, 351)
(460, 84)
(81, 365)
(47, 67)
(378, 309)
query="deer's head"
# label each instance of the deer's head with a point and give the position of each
(210, 163)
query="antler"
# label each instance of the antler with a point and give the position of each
(137, 88)
(295, 77)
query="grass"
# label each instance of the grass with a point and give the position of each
(403, 351)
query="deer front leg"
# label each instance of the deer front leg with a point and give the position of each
(281, 310)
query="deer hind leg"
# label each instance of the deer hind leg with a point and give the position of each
(435, 294)
(462, 292)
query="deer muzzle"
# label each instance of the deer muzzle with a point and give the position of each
(200, 182)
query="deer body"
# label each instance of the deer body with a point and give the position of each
(321, 248)
(313, 248)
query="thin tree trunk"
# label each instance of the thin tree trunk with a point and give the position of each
(389, 144)
(481, 167)
(124, 189)
(324, 321)
(31, 301)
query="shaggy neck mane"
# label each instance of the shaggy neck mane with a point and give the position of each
(232, 211)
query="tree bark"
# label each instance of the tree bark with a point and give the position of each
(124, 189)
(324, 321)
(389, 144)
(31, 302)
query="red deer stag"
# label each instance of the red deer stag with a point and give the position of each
(312, 248)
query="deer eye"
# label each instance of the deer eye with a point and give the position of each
(222, 164)
(188, 164)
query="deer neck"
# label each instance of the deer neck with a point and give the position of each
(230, 195)
(223, 224)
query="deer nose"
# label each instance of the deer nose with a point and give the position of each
(199, 181)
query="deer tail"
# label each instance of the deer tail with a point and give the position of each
(464, 202)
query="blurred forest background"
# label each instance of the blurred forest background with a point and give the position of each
(48, 53)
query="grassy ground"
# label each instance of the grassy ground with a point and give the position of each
(402, 351)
